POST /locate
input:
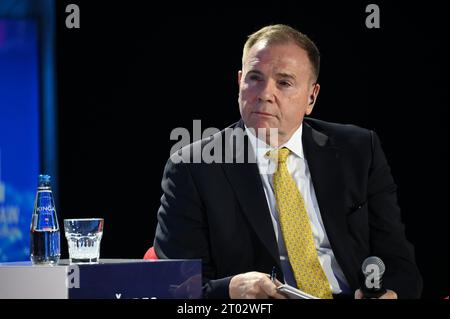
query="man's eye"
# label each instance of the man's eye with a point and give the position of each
(255, 77)
(284, 83)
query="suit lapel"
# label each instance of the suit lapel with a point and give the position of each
(326, 173)
(246, 181)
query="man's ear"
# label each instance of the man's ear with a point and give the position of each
(239, 77)
(312, 98)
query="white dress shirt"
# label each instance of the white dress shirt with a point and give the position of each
(298, 167)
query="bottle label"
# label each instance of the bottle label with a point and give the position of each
(48, 208)
(45, 213)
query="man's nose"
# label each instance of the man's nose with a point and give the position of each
(267, 92)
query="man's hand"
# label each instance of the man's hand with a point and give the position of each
(390, 294)
(254, 285)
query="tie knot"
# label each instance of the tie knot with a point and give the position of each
(280, 155)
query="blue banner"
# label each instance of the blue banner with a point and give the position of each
(19, 135)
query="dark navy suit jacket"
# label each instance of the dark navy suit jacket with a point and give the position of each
(218, 212)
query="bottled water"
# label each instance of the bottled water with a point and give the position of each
(44, 230)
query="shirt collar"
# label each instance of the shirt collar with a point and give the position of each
(294, 144)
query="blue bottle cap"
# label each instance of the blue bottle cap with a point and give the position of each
(44, 179)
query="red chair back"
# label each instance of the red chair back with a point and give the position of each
(150, 254)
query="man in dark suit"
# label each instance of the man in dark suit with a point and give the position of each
(237, 215)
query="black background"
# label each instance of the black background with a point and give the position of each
(134, 72)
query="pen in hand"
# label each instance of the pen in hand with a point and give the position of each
(273, 274)
(273, 279)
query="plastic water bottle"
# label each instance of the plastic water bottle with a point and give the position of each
(44, 230)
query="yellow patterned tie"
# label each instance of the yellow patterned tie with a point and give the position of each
(297, 233)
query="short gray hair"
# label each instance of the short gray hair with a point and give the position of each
(281, 34)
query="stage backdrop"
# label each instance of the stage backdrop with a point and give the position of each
(134, 71)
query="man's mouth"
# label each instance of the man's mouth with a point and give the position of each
(264, 114)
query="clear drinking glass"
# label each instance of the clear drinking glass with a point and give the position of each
(83, 238)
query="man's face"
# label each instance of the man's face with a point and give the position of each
(276, 88)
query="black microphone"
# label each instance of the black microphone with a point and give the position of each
(373, 269)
